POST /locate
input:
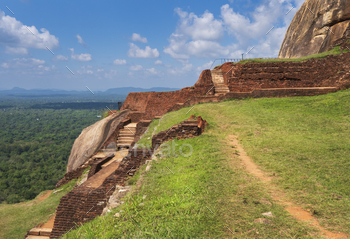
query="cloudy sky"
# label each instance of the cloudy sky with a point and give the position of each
(107, 44)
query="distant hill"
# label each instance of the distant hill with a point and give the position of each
(122, 91)
(127, 90)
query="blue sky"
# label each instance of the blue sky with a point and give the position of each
(109, 44)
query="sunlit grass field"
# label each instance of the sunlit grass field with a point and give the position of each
(303, 142)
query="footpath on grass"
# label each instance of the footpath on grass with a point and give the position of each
(279, 196)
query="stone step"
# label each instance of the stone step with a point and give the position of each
(40, 232)
(222, 91)
(127, 131)
(123, 145)
(37, 237)
(128, 128)
(126, 137)
(128, 141)
(217, 77)
(131, 125)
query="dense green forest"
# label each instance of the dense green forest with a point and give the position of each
(35, 142)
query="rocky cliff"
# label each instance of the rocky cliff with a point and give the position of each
(92, 138)
(318, 26)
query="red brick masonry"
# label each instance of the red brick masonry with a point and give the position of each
(84, 203)
(274, 79)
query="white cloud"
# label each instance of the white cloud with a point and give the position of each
(158, 62)
(265, 17)
(14, 34)
(45, 68)
(204, 66)
(99, 70)
(180, 48)
(119, 62)
(187, 67)
(204, 27)
(136, 68)
(16, 50)
(137, 37)
(80, 39)
(61, 58)
(196, 36)
(23, 63)
(241, 27)
(136, 52)
(152, 71)
(81, 57)
(200, 36)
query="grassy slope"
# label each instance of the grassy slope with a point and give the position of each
(335, 51)
(17, 219)
(303, 140)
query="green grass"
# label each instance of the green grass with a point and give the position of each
(17, 219)
(146, 138)
(273, 132)
(302, 141)
(335, 51)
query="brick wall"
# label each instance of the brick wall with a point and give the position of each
(158, 103)
(205, 79)
(83, 204)
(80, 205)
(324, 72)
(249, 78)
(141, 127)
(70, 176)
(184, 130)
(96, 166)
(127, 167)
(136, 101)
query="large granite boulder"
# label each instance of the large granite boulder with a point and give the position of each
(318, 26)
(92, 138)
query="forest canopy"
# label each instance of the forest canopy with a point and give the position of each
(35, 142)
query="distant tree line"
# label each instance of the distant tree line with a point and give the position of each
(35, 144)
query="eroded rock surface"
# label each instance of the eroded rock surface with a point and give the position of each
(318, 26)
(92, 138)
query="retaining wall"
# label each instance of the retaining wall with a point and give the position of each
(326, 72)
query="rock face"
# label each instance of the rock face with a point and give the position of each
(318, 26)
(92, 138)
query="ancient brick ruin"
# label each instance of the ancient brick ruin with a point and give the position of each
(186, 129)
(87, 200)
(250, 80)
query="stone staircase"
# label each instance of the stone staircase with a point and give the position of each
(39, 233)
(221, 89)
(219, 84)
(126, 136)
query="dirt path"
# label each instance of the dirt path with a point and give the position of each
(44, 196)
(279, 196)
(49, 223)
